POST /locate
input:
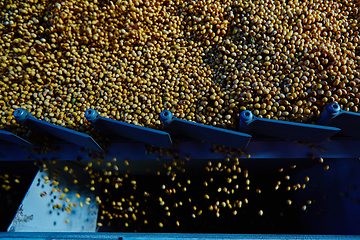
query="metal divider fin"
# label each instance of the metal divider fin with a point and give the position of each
(203, 132)
(72, 136)
(12, 138)
(347, 121)
(143, 134)
(283, 129)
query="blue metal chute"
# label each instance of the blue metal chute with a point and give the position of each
(43, 127)
(207, 133)
(112, 127)
(347, 121)
(285, 130)
(10, 137)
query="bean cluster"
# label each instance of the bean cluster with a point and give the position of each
(205, 61)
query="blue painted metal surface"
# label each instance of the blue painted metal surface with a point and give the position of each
(10, 137)
(348, 122)
(202, 132)
(43, 127)
(110, 127)
(164, 236)
(282, 129)
(37, 214)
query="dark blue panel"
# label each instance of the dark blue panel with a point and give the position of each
(285, 130)
(142, 134)
(348, 122)
(63, 133)
(207, 133)
(10, 137)
(335, 197)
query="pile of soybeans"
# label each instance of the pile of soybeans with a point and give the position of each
(205, 61)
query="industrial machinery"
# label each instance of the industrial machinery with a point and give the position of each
(192, 178)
